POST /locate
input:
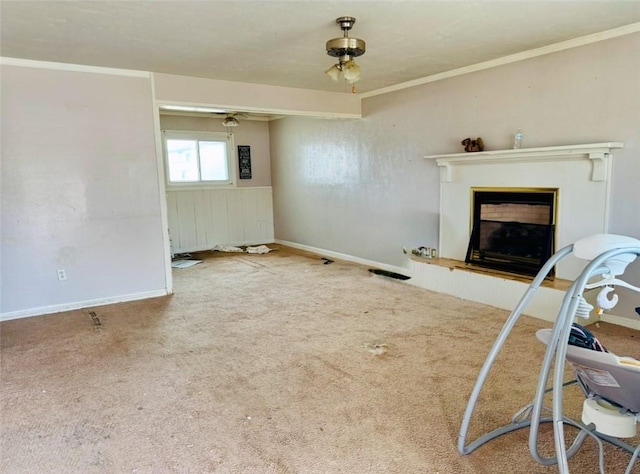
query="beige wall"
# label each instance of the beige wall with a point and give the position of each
(362, 188)
(79, 191)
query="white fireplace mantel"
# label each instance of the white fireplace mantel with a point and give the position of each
(596, 152)
(581, 175)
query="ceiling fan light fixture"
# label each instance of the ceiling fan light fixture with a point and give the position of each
(351, 71)
(334, 72)
(345, 49)
(230, 122)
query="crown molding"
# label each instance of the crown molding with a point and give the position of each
(532, 53)
(5, 61)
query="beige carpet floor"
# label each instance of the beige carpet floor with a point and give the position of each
(273, 363)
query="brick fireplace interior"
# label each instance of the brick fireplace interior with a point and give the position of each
(513, 229)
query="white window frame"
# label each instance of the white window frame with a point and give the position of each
(205, 136)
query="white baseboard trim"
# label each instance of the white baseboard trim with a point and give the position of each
(348, 258)
(42, 310)
(620, 321)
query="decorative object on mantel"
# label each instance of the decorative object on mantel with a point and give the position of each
(518, 136)
(473, 145)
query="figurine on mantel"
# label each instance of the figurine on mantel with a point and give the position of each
(473, 145)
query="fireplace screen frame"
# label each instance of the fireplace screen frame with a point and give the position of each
(523, 257)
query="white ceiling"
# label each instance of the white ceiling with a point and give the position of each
(282, 42)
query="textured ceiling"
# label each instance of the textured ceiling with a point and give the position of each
(282, 42)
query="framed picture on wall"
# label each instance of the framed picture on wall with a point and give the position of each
(244, 161)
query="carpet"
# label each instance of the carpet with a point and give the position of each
(274, 363)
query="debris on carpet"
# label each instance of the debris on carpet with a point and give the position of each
(94, 319)
(183, 256)
(233, 249)
(184, 263)
(259, 249)
(376, 349)
(226, 248)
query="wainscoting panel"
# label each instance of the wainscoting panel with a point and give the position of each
(201, 219)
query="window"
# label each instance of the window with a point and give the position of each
(198, 158)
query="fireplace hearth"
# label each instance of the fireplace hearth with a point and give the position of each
(513, 229)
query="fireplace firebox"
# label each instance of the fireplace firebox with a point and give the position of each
(513, 230)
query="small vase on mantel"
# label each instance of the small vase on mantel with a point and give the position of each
(518, 136)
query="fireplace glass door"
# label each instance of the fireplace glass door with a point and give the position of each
(512, 230)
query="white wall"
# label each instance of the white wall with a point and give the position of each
(202, 219)
(362, 187)
(79, 190)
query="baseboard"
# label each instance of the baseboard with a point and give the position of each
(348, 258)
(620, 321)
(42, 310)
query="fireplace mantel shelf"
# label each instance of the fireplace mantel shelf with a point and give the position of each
(596, 152)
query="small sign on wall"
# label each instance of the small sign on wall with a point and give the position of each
(244, 161)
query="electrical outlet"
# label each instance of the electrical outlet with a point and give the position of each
(62, 274)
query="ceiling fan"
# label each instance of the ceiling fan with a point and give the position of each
(346, 49)
(231, 118)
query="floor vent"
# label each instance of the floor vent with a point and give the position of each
(386, 273)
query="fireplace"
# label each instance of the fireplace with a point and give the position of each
(581, 174)
(513, 229)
